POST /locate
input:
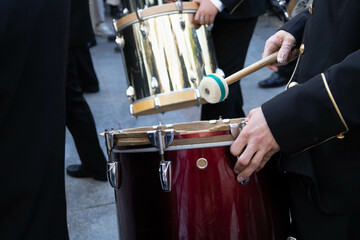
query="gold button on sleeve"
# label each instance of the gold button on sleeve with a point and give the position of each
(292, 84)
(302, 48)
(340, 136)
(311, 9)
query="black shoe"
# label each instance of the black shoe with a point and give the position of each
(115, 12)
(275, 80)
(77, 171)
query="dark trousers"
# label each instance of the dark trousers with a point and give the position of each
(79, 119)
(87, 79)
(310, 223)
(231, 39)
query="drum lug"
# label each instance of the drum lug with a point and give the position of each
(114, 174)
(120, 41)
(113, 168)
(109, 141)
(114, 25)
(193, 77)
(155, 85)
(130, 93)
(143, 28)
(282, 4)
(197, 94)
(125, 12)
(157, 102)
(131, 108)
(179, 6)
(234, 129)
(182, 23)
(243, 123)
(165, 175)
(160, 141)
(139, 14)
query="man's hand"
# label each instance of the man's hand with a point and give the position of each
(254, 146)
(206, 12)
(283, 42)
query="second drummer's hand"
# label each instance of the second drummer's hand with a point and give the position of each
(206, 12)
(283, 42)
(254, 146)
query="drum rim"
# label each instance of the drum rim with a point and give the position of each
(175, 147)
(155, 11)
(188, 89)
(145, 106)
(198, 134)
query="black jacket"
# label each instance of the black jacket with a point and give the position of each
(81, 32)
(310, 119)
(33, 48)
(237, 9)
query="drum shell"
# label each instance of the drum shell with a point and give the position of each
(171, 55)
(203, 203)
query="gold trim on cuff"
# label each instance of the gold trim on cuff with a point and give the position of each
(237, 5)
(341, 135)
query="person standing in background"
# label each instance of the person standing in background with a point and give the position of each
(79, 119)
(33, 37)
(97, 14)
(234, 23)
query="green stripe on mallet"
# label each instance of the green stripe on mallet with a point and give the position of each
(221, 86)
(213, 88)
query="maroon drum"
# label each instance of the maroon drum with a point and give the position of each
(185, 186)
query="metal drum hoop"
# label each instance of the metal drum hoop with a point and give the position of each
(155, 11)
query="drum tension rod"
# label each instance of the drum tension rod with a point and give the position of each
(113, 168)
(179, 6)
(162, 140)
(143, 28)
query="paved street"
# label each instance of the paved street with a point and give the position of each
(90, 203)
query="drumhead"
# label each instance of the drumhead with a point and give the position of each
(205, 133)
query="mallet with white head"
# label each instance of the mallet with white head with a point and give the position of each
(214, 88)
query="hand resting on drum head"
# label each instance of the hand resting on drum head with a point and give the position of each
(255, 144)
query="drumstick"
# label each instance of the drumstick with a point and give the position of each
(214, 88)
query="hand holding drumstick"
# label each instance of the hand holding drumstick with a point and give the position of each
(256, 144)
(214, 89)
